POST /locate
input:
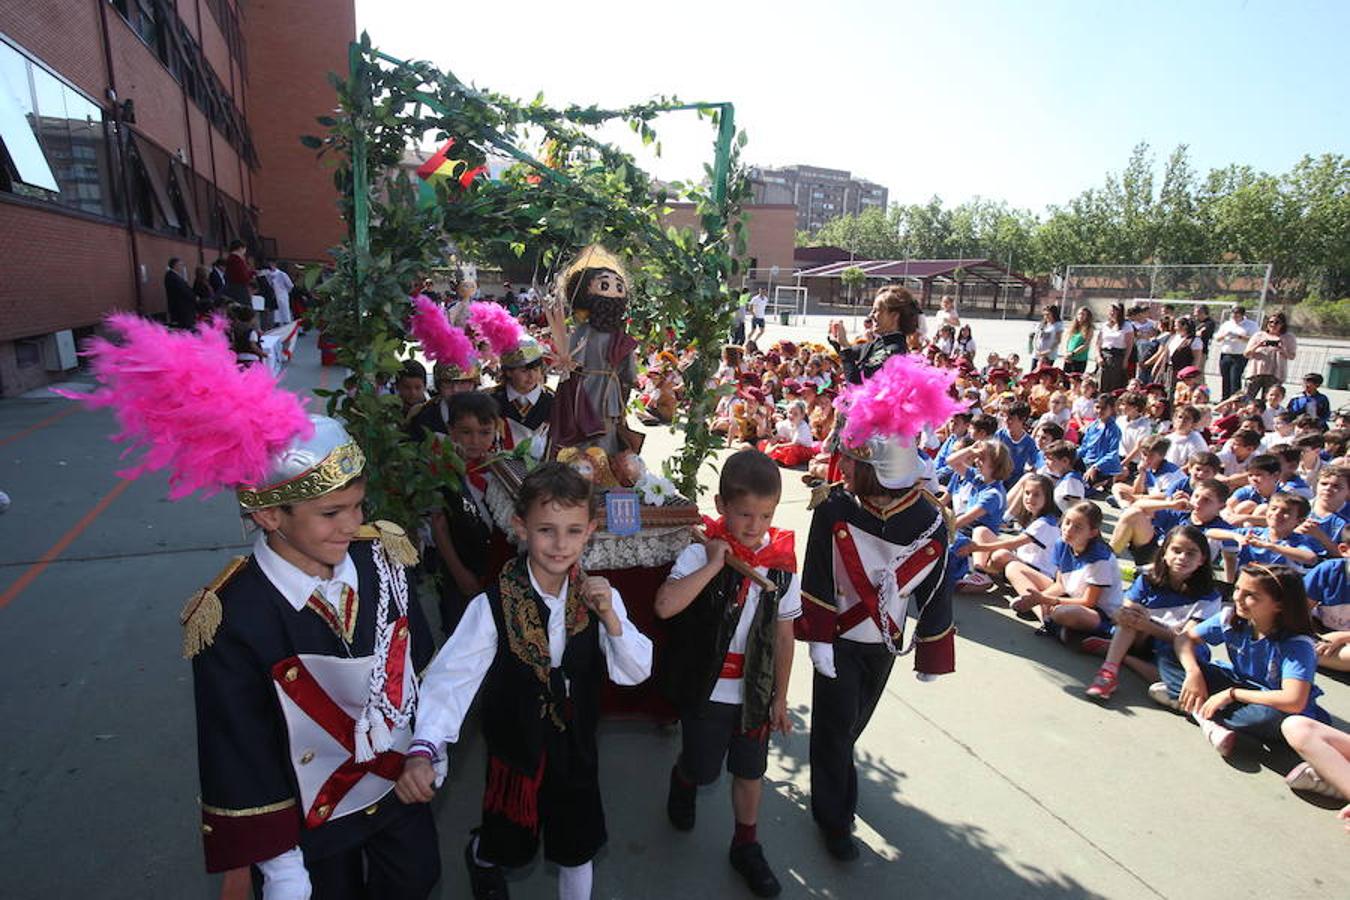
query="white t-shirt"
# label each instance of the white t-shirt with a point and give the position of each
(693, 558)
(1183, 447)
(1097, 566)
(1043, 532)
(1111, 338)
(1232, 337)
(1069, 489)
(758, 304)
(1132, 432)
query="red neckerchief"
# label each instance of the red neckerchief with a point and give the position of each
(779, 553)
(473, 470)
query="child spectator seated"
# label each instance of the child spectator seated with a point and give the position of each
(1157, 474)
(1135, 425)
(1241, 447)
(1326, 766)
(1312, 401)
(1176, 590)
(1328, 586)
(1083, 594)
(1327, 517)
(958, 426)
(1021, 445)
(793, 443)
(1263, 478)
(1277, 542)
(1202, 467)
(1268, 636)
(1037, 520)
(1290, 481)
(1142, 526)
(978, 501)
(731, 654)
(1185, 437)
(1099, 450)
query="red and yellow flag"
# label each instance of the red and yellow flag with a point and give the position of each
(440, 165)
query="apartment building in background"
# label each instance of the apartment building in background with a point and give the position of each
(819, 194)
(132, 131)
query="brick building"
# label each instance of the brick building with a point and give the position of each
(818, 194)
(132, 131)
(769, 232)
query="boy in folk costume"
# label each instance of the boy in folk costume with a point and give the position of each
(538, 643)
(877, 549)
(730, 654)
(305, 653)
(525, 403)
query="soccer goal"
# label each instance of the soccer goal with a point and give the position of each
(1181, 286)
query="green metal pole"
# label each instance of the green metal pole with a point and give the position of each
(726, 133)
(360, 177)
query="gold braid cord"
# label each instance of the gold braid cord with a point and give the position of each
(202, 615)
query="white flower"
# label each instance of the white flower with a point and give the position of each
(655, 490)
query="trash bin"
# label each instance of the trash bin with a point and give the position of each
(785, 318)
(1338, 374)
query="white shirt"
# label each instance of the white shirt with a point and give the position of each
(532, 397)
(695, 557)
(948, 317)
(1232, 337)
(1043, 532)
(758, 304)
(1183, 447)
(296, 586)
(1132, 431)
(1111, 338)
(451, 681)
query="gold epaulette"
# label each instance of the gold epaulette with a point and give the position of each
(202, 615)
(393, 538)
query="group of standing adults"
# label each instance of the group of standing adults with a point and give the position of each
(1132, 343)
(231, 279)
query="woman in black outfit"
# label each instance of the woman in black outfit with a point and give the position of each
(896, 315)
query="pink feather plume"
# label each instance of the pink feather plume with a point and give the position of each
(495, 324)
(443, 342)
(901, 398)
(181, 397)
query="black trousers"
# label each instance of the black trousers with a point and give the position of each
(841, 707)
(401, 861)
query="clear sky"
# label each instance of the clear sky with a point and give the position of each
(1029, 101)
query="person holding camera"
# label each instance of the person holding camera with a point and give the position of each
(1269, 352)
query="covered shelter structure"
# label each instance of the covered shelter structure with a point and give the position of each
(979, 282)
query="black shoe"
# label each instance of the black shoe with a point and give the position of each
(681, 801)
(1049, 629)
(485, 882)
(748, 859)
(1027, 615)
(842, 846)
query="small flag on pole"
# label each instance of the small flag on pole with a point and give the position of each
(441, 165)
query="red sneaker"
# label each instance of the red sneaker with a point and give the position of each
(1103, 685)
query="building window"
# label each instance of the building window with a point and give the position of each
(56, 142)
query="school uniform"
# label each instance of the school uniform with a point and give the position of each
(1328, 586)
(718, 669)
(992, 499)
(1023, 452)
(947, 448)
(866, 569)
(1181, 447)
(294, 772)
(1255, 664)
(1171, 608)
(1247, 554)
(1162, 479)
(1164, 520)
(1332, 524)
(1297, 486)
(1069, 489)
(1095, 567)
(1042, 532)
(1100, 447)
(539, 660)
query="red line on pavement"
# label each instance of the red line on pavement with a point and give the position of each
(59, 547)
(50, 420)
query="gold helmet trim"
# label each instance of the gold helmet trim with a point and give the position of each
(343, 463)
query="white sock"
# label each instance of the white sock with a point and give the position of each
(574, 882)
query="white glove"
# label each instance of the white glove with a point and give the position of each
(285, 876)
(822, 657)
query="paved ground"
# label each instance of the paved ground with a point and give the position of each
(999, 781)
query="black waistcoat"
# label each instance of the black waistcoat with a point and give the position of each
(700, 635)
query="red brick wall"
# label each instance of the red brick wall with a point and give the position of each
(59, 271)
(45, 28)
(770, 228)
(290, 53)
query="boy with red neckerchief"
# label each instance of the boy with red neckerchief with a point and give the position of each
(731, 654)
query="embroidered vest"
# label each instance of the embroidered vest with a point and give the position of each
(700, 635)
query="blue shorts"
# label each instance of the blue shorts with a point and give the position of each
(757, 321)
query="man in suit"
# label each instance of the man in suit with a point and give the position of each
(181, 302)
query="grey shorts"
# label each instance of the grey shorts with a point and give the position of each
(713, 732)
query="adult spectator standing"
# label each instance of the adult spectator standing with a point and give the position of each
(1078, 346)
(1232, 337)
(178, 296)
(947, 315)
(281, 287)
(759, 307)
(238, 275)
(1205, 326)
(1147, 337)
(1182, 350)
(202, 292)
(1045, 338)
(738, 322)
(1270, 350)
(217, 277)
(262, 286)
(897, 316)
(1114, 341)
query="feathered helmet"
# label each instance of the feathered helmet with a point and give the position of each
(526, 353)
(887, 412)
(181, 397)
(446, 343)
